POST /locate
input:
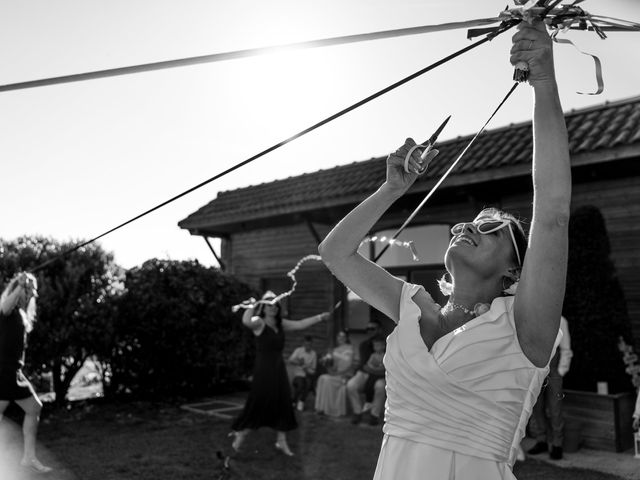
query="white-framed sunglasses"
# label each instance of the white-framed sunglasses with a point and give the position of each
(490, 226)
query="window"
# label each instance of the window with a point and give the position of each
(431, 243)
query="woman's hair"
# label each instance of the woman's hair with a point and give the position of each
(28, 313)
(446, 287)
(269, 295)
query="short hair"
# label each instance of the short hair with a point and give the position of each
(308, 338)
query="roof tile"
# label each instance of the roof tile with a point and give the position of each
(605, 126)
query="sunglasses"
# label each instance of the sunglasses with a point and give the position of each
(490, 226)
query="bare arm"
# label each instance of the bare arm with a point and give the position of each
(538, 303)
(11, 299)
(252, 322)
(339, 250)
(295, 325)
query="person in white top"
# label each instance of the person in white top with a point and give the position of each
(304, 361)
(461, 378)
(547, 421)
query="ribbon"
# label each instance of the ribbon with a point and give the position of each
(560, 19)
(596, 60)
(394, 242)
(250, 303)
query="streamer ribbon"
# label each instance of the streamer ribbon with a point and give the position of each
(250, 303)
(560, 19)
(394, 242)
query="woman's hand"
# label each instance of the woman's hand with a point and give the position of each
(397, 178)
(324, 316)
(533, 46)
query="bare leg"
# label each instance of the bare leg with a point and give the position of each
(281, 444)
(3, 406)
(32, 407)
(379, 396)
(354, 390)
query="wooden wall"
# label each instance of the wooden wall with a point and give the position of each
(604, 420)
(619, 202)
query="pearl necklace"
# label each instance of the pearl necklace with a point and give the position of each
(450, 306)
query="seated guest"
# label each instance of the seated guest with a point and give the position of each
(370, 381)
(303, 359)
(331, 395)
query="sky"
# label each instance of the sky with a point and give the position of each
(80, 158)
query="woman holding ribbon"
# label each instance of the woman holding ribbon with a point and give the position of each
(462, 378)
(17, 317)
(269, 400)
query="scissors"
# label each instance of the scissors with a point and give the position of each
(429, 153)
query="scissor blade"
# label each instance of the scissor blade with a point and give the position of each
(434, 137)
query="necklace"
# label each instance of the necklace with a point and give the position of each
(450, 306)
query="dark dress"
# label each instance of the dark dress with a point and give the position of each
(269, 402)
(13, 338)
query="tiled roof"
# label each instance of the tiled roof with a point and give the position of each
(605, 127)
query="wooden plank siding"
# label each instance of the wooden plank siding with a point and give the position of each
(604, 419)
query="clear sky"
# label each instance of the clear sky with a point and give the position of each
(80, 158)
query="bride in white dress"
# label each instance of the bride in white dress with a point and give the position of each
(462, 378)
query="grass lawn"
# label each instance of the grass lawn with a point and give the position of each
(145, 441)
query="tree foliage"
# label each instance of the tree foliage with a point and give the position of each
(594, 306)
(74, 318)
(175, 332)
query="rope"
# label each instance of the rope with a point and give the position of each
(307, 130)
(252, 52)
(445, 175)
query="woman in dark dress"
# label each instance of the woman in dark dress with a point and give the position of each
(17, 316)
(269, 402)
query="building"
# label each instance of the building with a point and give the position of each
(265, 229)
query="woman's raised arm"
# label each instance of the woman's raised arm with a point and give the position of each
(339, 250)
(540, 294)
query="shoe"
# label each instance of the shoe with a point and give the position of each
(539, 447)
(556, 453)
(300, 406)
(356, 419)
(35, 466)
(238, 439)
(284, 448)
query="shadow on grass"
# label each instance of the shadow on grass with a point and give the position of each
(160, 441)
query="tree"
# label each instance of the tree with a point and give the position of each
(74, 318)
(175, 333)
(594, 306)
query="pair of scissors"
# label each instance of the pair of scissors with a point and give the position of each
(428, 152)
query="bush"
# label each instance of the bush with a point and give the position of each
(174, 332)
(594, 306)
